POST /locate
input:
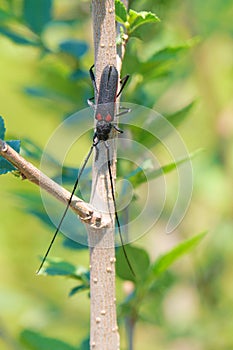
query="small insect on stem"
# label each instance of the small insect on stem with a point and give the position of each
(105, 112)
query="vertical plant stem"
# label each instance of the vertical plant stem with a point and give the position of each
(129, 322)
(130, 326)
(104, 331)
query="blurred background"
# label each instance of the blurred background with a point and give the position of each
(40, 86)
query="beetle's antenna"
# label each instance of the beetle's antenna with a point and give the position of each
(66, 209)
(115, 210)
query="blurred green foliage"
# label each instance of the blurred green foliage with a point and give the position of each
(5, 166)
(46, 51)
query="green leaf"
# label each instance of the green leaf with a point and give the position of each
(78, 74)
(160, 125)
(166, 260)
(137, 177)
(5, 166)
(136, 19)
(161, 62)
(18, 39)
(40, 92)
(69, 176)
(85, 345)
(76, 48)
(2, 128)
(139, 259)
(57, 267)
(176, 118)
(70, 244)
(43, 92)
(15, 144)
(169, 53)
(121, 11)
(36, 341)
(37, 14)
(31, 150)
(77, 289)
(149, 274)
(33, 205)
(171, 166)
(40, 214)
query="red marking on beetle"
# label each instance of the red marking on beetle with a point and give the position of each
(108, 118)
(99, 117)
